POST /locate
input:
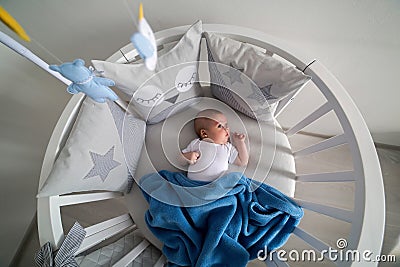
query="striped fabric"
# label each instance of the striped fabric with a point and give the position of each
(118, 116)
(65, 256)
(102, 164)
(221, 91)
(44, 257)
(131, 133)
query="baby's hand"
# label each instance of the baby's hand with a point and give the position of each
(191, 157)
(238, 137)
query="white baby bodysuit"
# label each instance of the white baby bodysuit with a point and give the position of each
(213, 160)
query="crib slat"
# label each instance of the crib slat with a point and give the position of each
(98, 235)
(84, 198)
(326, 144)
(311, 240)
(321, 111)
(49, 221)
(283, 103)
(270, 263)
(161, 261)
(345, 176)
(278, 262)
(133, 254)
(340, 214)
(91, 230)
(275, 261)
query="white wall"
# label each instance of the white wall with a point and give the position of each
(357, 40)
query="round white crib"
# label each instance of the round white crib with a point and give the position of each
(365, 220)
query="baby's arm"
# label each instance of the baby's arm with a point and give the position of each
(238, 141)
(191, 157)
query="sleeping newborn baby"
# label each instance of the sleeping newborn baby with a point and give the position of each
(210, 154)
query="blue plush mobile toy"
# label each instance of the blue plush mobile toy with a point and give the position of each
(85, 80)
(145, 42)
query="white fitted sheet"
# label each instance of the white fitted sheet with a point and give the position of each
(271, 159)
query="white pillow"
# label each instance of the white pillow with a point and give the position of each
(93, 156)
(248, 80)
(155, 94)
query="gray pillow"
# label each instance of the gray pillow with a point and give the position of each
(174, 82)
(101, 152)
(248, 80)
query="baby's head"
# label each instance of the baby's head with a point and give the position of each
(213, 125)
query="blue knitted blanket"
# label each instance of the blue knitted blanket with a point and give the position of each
(222, 223)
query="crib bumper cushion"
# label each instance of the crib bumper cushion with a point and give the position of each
(101, 152)
(247, 79)
(171, 87)
(231, 230)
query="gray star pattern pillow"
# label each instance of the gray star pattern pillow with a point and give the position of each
(170, 88)
(248, 80)
(101, 152)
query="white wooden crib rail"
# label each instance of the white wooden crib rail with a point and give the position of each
(50, 226)
(366, 217)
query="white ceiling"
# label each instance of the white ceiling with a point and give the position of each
(358, 41)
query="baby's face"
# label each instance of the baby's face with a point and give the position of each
(217, 129)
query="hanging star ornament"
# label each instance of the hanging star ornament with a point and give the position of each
(103, 164)
(145, 42)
